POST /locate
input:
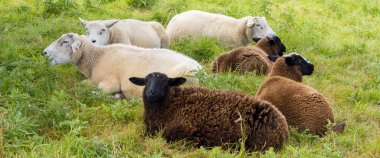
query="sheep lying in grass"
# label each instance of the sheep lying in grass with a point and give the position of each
(251, 58)
(303, 106)
(128, 31)
(209, 117)
(229, 31)
(109, 67)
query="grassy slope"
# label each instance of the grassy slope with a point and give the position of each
(49, 112)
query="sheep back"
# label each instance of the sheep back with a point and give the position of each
(119, 62)
(139, 33)
(242, 60)
(228, 30)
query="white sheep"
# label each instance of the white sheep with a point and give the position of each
(229, 31)
(128, 31)
(109, 67)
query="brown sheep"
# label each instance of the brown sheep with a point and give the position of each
(303, 106)
(209, 117)
(251, 58)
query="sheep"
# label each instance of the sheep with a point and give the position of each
(129, 31)
(227, 30)
(251, 58)
(303, 107)
(109, 67)
(209, 117)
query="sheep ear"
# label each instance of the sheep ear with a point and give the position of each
(271, 40)
(272, 58)
(137, 81)
(110, 23)
(289, 61)
(250, 22)
(76, 44)
(176, 81)
(84, 22)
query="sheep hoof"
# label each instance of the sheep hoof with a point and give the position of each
(119, 95)
(339, 127)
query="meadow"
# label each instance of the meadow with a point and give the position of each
(50, 112)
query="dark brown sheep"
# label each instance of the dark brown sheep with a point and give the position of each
(209, 117)
(303, 106)
(251, 58)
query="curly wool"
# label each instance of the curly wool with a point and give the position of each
(212, 118)
(247, 59)
(303, 107)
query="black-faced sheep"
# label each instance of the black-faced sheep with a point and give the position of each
(251, 58)
(128, 31)
(229, 31)
(109, 67)
(303, 106)
(209, 117)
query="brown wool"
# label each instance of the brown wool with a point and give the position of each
(247, 59)
(214, 117)
(303, 106)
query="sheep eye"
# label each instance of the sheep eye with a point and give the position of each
(65, 42)
(103, 30)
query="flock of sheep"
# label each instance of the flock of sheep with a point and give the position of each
(130, 58)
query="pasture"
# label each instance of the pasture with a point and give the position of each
(51, 112)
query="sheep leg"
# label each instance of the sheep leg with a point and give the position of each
(110, 87)
(179, 131)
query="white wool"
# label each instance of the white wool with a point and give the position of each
(110, 67)
(229, 31)
(128, 31)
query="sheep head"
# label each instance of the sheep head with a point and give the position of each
(62, 49)
(257, 28)
(156, 85)
(296, 60)
(292, 66)
(98, 31)
(272, 45)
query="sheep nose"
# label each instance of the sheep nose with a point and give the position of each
(93, 41)
(153, 92)
(312, 67)
(43, 53)
(256, 39)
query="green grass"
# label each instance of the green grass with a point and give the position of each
(49, 112)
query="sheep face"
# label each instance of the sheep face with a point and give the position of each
(156, 85)
(272, 45)
(294, 59)
(61, 50)
(98, 32)
(257, 28)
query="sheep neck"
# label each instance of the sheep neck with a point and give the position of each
(281, 69)
(110, 36)
(89, 54)
(155, 114)
(243, 31)
(262, 45)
